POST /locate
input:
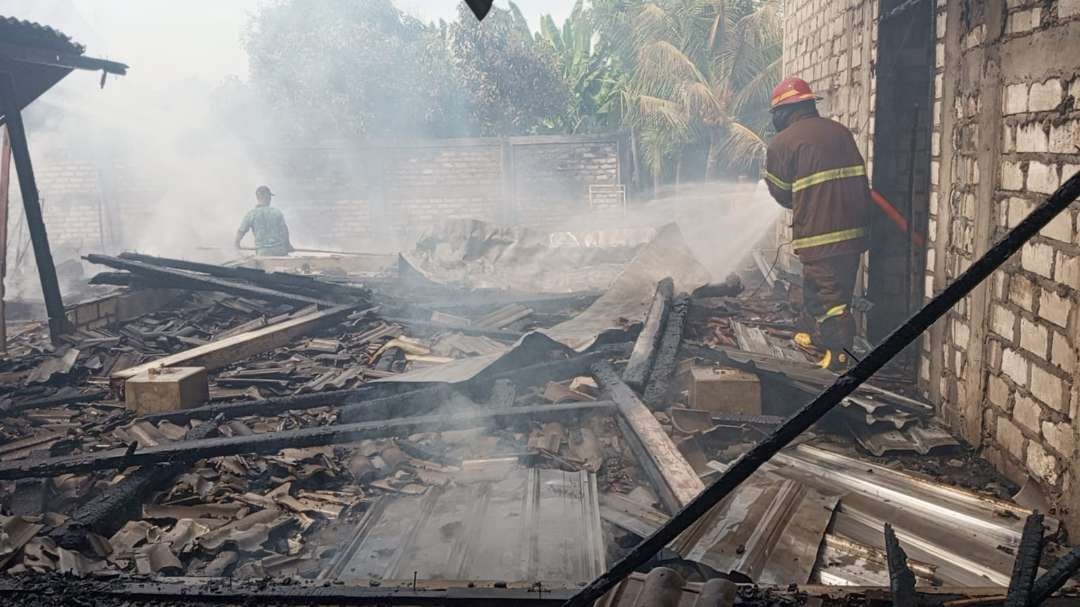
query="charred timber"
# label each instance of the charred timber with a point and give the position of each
(1055, 577)
(185, 279)
(648, 341)
(663, 369)
(280, 281)
(107, 512)
(902, 337)
(1026, 565)
(417, 323)
(272, 442)
(901, 579)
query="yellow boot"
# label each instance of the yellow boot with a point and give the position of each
(835, 361)
(803, 340)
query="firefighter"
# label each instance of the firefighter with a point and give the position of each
(814, 168)
(268, 225)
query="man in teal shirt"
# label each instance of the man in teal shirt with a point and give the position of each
(268, 224)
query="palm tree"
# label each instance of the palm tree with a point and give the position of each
(702, 71)
(591, 75)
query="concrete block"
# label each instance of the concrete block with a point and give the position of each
(1044, 96)
(1068, 8)
(1041, 178)
(167, 389)
(1003, 322)
(1010, 438)
(1042, 464)
(1018, 210)
(1065, 137)
(1062, 353)
(724, 389)
(1015, 98)
(1061, 437)
(1038, 258)
(1054, 308)
(1027, 413)
(1067, 269)
(1048, 388)
(1031, 137)
(998, 392)
(1015, 366)
(1034, 338)
(1012, 178)
(1060, 228)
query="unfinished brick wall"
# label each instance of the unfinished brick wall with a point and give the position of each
(1001, 366)
(354, 193)
(831, 45)
(70, 195)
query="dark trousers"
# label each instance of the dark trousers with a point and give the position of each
(828, 285)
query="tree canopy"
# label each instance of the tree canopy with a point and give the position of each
(685, 76)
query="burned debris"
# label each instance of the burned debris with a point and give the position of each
(329, 443)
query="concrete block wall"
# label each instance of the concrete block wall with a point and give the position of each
(831, 45)
(70, 194)
(1001, 366)
(552, 180)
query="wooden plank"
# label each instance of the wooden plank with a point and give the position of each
(220, 353)
(644, 352)
(272, 442)
(668, 470)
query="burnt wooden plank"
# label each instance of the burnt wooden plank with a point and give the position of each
(648, 341)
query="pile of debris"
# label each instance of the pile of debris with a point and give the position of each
(526, 440)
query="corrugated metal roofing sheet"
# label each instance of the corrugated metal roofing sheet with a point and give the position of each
(35, 35)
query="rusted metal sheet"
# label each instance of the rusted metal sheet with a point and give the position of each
(524, 525)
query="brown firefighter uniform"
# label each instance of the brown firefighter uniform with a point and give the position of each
(815, 169)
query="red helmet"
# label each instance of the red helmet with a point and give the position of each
(791, 90)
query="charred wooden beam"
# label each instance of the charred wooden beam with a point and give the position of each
(901, 579)
(1026, 565)
(663, 369)
(902, 337)
(412, 402)
(63, 397)
(648, 340)
(541, 373)
(183, 278)
(272, 442)
(670, 473)
(108, 511)
(35, 224)
(1055, 577)
(280, 281)
(262, 406)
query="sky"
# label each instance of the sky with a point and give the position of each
(170, 40)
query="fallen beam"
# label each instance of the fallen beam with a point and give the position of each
(901, 579)
(279, 281)
(1026, 566)
(670, 473)
(262, 406)
(183, 279)
(107, 512)
(224, 352)
(272, 442)
(902, 337)
(644, 353)
(663, 369)
(1055, 577)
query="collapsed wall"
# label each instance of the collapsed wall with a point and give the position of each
(1005, 130)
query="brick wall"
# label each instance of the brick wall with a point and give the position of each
(71, 197)
(1001, 366)
(383, 191)
(831, 45)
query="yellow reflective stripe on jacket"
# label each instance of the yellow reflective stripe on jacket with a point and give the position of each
(828, 238)
(829, 175)
(776, 181)
(833, 312)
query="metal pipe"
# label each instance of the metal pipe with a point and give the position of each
(844, 385)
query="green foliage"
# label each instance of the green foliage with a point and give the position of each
(512, 81)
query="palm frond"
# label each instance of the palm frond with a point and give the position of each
(742, 147)
(659, 111)
(756, 92)
(661, 65)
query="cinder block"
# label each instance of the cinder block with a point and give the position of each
(167, 389)
(725, 389)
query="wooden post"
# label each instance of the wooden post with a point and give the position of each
(5, 180)
(50, 287)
